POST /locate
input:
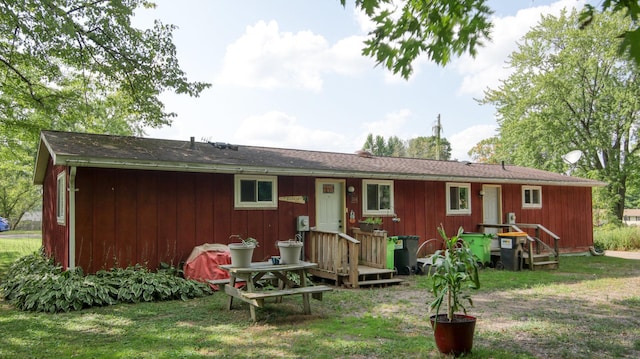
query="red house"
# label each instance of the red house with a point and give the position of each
(115, 201)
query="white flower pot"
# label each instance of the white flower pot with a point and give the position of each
(289, 252)
(241, 254)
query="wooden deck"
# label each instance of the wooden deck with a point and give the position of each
(367, 277)
(351, 262)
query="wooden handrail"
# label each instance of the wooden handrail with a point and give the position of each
(334, 252)
(373, 248)
(530, 240)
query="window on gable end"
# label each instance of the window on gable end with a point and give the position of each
(61, 197)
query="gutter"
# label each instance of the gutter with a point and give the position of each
(72, 217)
(235, 169)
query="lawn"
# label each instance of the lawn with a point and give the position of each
(13, 248)
(589, 308)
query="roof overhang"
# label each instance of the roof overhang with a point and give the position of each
(96, 162)
(42, 160)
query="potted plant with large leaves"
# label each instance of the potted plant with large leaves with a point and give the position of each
(453, 270)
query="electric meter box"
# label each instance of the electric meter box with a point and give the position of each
(302, 223)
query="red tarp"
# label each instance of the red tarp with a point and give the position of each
(202, 264)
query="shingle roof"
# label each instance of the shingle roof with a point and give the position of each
(631, 212)
(91, 150)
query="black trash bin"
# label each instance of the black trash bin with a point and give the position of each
(408, 255)
(511, 250)
(401, 261)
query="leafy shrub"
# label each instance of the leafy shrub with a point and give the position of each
(617, 238)
(34, 283)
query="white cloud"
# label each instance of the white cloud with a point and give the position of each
(489, 66)
(391, 125)
(462, 142)
(265, 57)
(278, 129)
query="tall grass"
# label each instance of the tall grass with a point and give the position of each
(617, 238)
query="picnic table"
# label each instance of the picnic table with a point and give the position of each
(255, 296)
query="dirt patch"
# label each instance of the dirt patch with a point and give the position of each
(587, 319)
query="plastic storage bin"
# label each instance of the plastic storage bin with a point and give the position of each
(511, 249)
(391, 247)
(406, 257)
(480, 245)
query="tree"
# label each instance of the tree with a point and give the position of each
(394, 147)
(61, 56)
(570, 90)
(487, 151)
(442, 29)
(427, 147)
(77, 66)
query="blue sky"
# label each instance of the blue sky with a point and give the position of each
(290, 74)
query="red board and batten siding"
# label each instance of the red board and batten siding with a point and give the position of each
(566, 211)
(129, 216)
(54, 235)
(126, 217)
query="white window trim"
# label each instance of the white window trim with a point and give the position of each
(273, 204)
(382, 212)
(448, 195)
(61, 197)
(532, 205)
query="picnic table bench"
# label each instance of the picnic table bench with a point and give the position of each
(258, 271)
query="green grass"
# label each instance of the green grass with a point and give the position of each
(617, 238)
(546, 312)
(14, 248)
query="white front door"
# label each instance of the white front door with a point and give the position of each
(491, 207)
(330, 205)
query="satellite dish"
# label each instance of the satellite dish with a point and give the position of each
(572, 157)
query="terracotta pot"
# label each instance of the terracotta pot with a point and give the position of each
(456, 336)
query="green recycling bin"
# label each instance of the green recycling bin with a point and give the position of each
(479, 244)
(391, 247)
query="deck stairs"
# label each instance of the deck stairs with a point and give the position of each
(540, 250)
(540, 261)
(374, 277)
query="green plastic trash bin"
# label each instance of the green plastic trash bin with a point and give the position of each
(391, 247)
(480, 245)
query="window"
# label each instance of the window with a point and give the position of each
(531, 197)
(377, 198)
(61, 197)
(256, 191)
(458, 198)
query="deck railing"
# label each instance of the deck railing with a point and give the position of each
(334, 252)
(537, 241)
(373, 248)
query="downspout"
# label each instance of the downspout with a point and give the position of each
(72, 218)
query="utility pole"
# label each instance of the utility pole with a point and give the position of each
(437, 129)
